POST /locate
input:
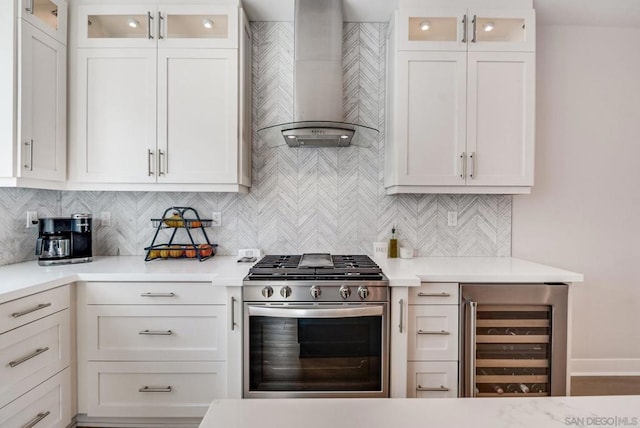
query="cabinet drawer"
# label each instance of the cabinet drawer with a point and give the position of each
(433, 332)
(434, 293)
(152, 389)
(49, 403)
(32, 354)
(154, 293)
(22, 311)
(156, 333)
(432, 379)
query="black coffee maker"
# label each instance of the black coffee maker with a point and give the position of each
(64, 240)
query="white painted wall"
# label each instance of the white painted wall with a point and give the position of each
(584, 211)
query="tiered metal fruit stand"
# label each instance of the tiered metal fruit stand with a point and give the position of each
(188, 222)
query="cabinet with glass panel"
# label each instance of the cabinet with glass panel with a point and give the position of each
(461, 100)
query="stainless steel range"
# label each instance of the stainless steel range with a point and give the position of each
(316, 325)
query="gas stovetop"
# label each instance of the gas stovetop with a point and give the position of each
(312, 267)
(316, 277)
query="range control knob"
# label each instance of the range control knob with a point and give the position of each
(363, 292)
(285, 291)
(267, 292)
(345, 292)
(315, 291)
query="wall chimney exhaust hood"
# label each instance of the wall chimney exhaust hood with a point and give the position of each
(318, 107)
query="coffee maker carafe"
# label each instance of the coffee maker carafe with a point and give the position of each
(64, 240)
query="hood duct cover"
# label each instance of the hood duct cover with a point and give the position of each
(318, 107)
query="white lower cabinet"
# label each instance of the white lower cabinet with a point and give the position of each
(35, 359)
(149, 350)
(154, 389)
(432, 379)
(47, 406)
(432, 341)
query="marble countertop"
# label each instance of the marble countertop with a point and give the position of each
(21, 279)
(547, 412)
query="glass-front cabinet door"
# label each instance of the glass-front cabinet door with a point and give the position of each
(502, 30)
(432, 29)
(190, 26)
(427, 29)
(197, 26)
(49, 16)
(116, 26)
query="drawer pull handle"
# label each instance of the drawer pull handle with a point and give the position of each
(432, 389)
(156, 332)
(440, 333)
(443, 294)
(158, 295)
(28, 311)
(28, 357)
(37, 419)
(155, 389)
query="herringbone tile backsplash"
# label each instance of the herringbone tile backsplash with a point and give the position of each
(302, 200)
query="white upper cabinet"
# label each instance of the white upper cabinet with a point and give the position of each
(460, 101)
(466, 29)
(33, 93)
(43, 108)
(48, 16)
(168, 108)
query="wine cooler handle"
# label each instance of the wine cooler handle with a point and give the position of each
(472, 347)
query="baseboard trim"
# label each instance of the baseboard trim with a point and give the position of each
(605, 367)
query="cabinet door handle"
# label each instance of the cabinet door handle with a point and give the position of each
(149, 162)
(443, 294)
(28, 357)
(28, 311)
(160, 20)
(33, 422)
(29, 9)
(472, 175)
(29, 159)
(401, 302)
(156, 332)
(464, 29)
(440, 388)
(161, 156)
(149, 19)
(155, 389)
(475, 29)
(233, 313)
(438, 333)
(158, 295)
(463, 168)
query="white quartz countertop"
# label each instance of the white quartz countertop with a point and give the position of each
(547, 412)
(21, 279)
(411, 272)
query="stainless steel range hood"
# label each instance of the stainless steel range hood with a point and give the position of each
(318, 93)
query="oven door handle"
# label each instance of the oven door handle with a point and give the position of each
(305, 312)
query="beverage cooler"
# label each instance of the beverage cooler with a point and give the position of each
(514, 341)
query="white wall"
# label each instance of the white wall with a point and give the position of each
(584, 211)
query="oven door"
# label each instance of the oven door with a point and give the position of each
(317, 350)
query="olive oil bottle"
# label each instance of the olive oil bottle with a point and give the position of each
(393, 244)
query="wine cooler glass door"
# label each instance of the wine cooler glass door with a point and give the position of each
(515, 347)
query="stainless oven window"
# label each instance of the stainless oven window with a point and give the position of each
(316, 350)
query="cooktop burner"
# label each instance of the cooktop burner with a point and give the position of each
(316, 266)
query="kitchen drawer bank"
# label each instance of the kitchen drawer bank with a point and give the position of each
(156, 349)
(35, 350)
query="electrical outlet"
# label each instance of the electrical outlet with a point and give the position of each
(452, 218)
(105, 219)
(216, 219)
(32, 219)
